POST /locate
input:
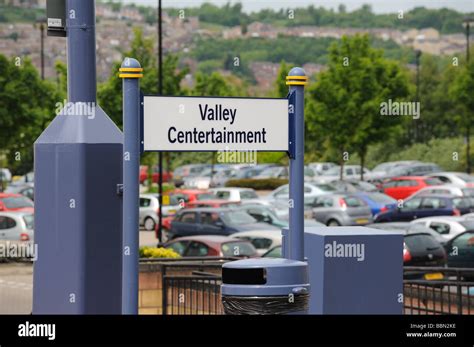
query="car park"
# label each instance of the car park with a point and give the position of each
(187, 170)
(402, 187)
(447, 226)
(149, 208)
(211, 203)
(25, 189)
(450, 189)
(190, 195)
(458, 178)
(265, 215)
(378, 202)
(385, 170)
(212, 246)
(341, 209)
(349, 172)
(16, 226)
(311, 191)
(213, 221)
(321, 167)
(426, 206)
(234, 194)
(421, 248)
(353, 186)
(10, 202)
(262, 240)
(460, 251)
(415, 169)
(274, 172)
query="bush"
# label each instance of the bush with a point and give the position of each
(260, 184)
(154, 252)
(167, 187)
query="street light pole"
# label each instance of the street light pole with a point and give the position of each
(467, 22)
(417, 60)
(160, 92)
(41, 24)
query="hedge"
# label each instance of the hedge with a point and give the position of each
(257, 184)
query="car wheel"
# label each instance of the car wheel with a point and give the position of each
(333, 223)
(149, 224)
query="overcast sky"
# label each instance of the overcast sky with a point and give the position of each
(379, 6)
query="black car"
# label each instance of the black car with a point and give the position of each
(422, 247)
(213, 221)
(460, 250)
(427, 206)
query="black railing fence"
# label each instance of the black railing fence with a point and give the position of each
(192, 287)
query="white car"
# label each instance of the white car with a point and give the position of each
(322, 167)
(16, 226)
(262, 240)
(349, 172)
(311, 191)
(149, 206)
(234, 194)
(447, 226)
(450, 189)
(458, 178)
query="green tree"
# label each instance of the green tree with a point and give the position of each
(461, 91)
(27, 105)
(344, 108)
(281, 89)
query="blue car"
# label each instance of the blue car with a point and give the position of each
(427, 206)
(213, 221)
(378, 202)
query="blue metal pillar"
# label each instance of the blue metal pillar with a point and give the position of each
(296, 79)
(130, 72)
(78, 211)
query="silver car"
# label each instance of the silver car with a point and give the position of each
(16, 226)
(341, 209)
(148, 212)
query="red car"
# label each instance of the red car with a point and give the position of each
(190, 195)
(404, 186)
(212, 246)
(155, 175)
(212, 203)
(15, 202)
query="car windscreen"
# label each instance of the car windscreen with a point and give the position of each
(352, 201)
(29, 221)
(237, 218)
(248, 194)
(17, 202)
(238, 249)
(433, 181)
(465, 177)
(468, 191)
(382, 198)
(326, 187)
(468, 224)
(421, 242)
(206, 196)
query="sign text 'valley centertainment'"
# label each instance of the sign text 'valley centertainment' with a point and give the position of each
(212, 123)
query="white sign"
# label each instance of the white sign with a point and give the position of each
(55, 22)
(214, 124)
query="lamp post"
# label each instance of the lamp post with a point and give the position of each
(41, 24)
(160, 92)
(467, 22)
(417, 62)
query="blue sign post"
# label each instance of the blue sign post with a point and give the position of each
(296, 79)
(130, 72)
(78, 213)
